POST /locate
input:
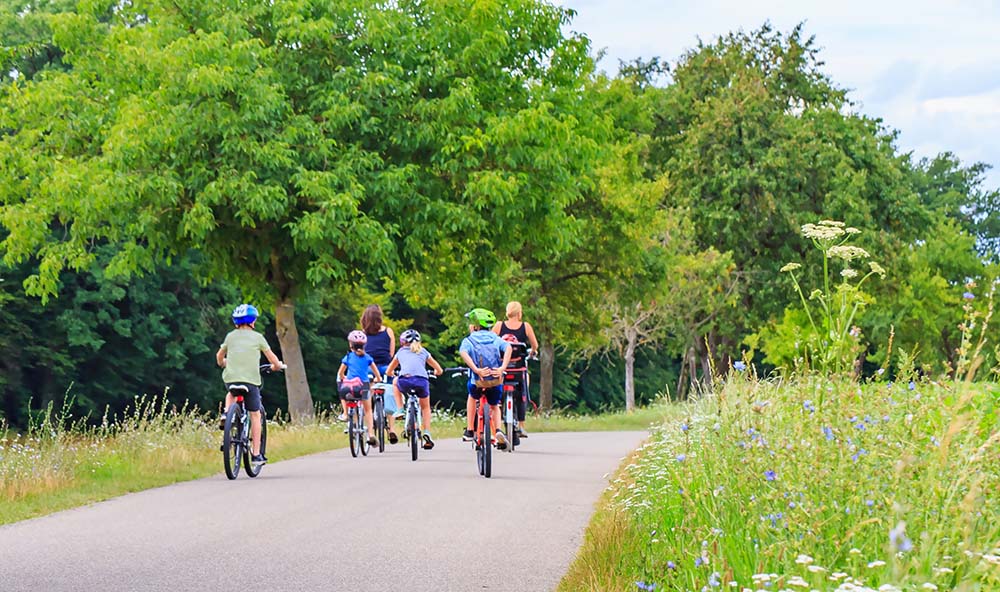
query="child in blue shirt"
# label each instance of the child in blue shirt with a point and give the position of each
(353, 375)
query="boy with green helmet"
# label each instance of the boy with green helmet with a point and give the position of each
(487, 356)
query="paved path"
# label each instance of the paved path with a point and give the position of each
(332, 522)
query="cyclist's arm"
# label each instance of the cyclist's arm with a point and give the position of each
(374, 369)
(531, 338)
(220, 357)
(342, 372)
(392, 341)
(391, 367)
(496, 327)
(438, 370)
(472, 365)
(273, 358)
(506, 361)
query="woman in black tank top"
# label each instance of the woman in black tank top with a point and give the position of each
(523, 333)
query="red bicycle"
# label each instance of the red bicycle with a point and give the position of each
(482, 443)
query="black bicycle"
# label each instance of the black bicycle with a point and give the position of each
(236, 436)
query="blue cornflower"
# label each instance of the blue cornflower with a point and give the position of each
(645, 586)
(684, 427)
(770, 475)
(713, 580)
(681, 457)
(912, 385)
(671, 565)
(968, 296)
(869, 503)
(898, 538)
(828, 433)
(808, 406)
(739, 365)
(860, 425)
(698, 562)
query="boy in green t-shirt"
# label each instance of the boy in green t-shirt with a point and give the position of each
(239, 357)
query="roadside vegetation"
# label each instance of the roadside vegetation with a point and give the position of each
(58, 464)
(808, 484)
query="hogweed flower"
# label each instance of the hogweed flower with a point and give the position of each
(790, 267)
(847, 252)
(848, 273)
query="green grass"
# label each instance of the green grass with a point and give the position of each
(807, 485)
(58, 465)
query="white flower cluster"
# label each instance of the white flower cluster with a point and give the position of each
(847, 252)
(825, 230)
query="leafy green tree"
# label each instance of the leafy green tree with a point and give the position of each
(299, 145)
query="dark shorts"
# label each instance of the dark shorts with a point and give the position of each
(418, 383)
(361, 393)
(493, 394)
(251, 398)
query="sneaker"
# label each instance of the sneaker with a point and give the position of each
(428, 442)
(222, 422)
(501, 441)
(393, 438)
(468, 436)
(372, 441)
(341, 417)
(521, 433)
(399, 414)
(258, 460)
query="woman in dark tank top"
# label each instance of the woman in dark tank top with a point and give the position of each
(381, 347)
(525, 334)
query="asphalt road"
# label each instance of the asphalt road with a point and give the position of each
(332, 522)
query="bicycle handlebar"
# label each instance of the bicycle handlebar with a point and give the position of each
(266, 368)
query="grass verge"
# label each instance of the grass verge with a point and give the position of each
(811, 485)
(58, 464)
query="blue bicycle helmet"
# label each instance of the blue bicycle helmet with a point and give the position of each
(245, 314)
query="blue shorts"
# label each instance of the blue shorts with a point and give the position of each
(251, 399)
(418, 383)
(493, 394)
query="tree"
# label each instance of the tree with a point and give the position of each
(297, 145)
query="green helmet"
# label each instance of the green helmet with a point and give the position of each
(482, 317)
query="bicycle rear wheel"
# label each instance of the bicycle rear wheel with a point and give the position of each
(411, 428)
(232, 448)
(510, 422)
(379, 418)
(248, 466)
(352, 430)
(487, 442)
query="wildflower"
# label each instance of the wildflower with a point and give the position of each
(803, 560)
(816, 569)
(880, 371)
(876, 268)
(808, 406)
(739, 365)
(645, 586)
(681, 457)
(912, 385)
(991, 558)
(684, 427)
(698, 562)
(770, 475)
(713, 580)
(790, 267)
(860, 425)
(852, 230)
(929, 586)
(828, 433)
(876, 563)
(797, 581)
(898, 538)
(671, 565)
(822, 231)
(847, 273)
(969, 296)
(847, 252)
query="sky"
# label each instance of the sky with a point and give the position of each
(928, 69)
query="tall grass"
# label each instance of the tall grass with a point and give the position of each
(811, 484)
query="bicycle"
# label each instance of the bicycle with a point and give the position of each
(378, 391)
(236, 437)
(414, 420)
(482, 444)
(515, 384)
(357, 434)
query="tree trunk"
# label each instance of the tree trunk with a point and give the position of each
(631, 336)
(548, 360)
(681, 384)
(693, 369)
(300, 403)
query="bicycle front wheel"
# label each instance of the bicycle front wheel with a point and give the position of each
(232, 447)
(352, 431)
(251, 469)
(363, 434)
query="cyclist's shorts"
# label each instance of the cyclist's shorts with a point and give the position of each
(354, 390)
(251, 399)
(493, 394)
(419, 383)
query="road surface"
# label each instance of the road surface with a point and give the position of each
(332, 522)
